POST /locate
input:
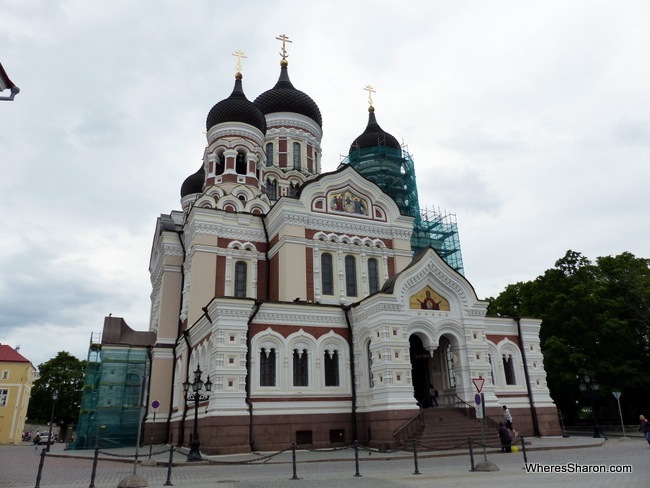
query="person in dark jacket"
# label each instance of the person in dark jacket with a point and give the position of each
(504, 436)
(644, 427)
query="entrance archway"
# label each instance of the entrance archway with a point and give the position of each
(420, 368)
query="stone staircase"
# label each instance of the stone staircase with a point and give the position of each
(449, 428)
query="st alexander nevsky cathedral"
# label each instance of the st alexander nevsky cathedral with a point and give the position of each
(317, 308)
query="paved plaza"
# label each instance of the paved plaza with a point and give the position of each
(323, 469)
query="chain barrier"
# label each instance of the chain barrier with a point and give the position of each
(247, 461)
(140, 455)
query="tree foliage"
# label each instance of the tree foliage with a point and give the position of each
(595, 321)
(65, 374)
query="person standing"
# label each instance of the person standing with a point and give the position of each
(644, 427)
(433, 396)
(504, 436)
(509, 424)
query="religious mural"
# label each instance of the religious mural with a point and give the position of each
(427, 299)
(348, 201)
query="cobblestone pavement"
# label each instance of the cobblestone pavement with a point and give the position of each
(19, 466)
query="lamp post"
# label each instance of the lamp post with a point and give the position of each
(55, 396)
(196, 396)
(591, 385)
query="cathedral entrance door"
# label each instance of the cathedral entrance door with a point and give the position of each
(420, 370)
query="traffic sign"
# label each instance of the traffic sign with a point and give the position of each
(155, 404)
(478, 383)
(477, 399)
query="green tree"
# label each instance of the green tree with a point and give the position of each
(595, 320)
(65, 374)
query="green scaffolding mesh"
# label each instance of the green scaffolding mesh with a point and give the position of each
(112, 397)
(393, 171)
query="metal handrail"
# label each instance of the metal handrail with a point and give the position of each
(414, 423)
(471, 411)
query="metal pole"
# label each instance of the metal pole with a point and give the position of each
(55, 395)
(293, 460)
(169, 467)
(356, 458)
(415, 457)
(94, 471)
(523, 449)
(40, 469)
(471, 454)
(483, 436)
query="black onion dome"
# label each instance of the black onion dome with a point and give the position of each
(193, 183)
(284, 97)
(374, 136)
(236, 108)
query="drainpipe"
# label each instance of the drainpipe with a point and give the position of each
(533, 409)
(187, 378)
(178, 335)
(346, 309)
(256, 308)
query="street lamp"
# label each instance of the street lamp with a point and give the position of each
(591, 385)
(196, 396)
(55, 396)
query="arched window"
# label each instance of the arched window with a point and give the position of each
(371, 383)
(350, 276)
(272, 189)
(219, 164)
(300, 368)
(269, 154)
(373, 276)
(240, 279)
(449, 357)
(267, 367)
(327, 274)
(293, 189)
(296, 155)
(331, 360)
(509, 369)
(240, 166)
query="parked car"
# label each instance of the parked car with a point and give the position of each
(42, 438)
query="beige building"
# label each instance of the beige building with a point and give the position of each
(16, 378)
(302, 296)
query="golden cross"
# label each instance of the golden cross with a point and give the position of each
(240, 54)
(284, 40)
(370, 91)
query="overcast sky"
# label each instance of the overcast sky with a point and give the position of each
(528, 120)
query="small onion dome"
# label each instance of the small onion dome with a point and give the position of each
(284, 97)
(374, 136)
(193, 183)
(236, 108)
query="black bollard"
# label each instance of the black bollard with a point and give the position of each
(471, 454)
(94, 471)
(415, 457)
(40, 469)
(169, 467)
(356, 458)
(523, 449)
(293, 460)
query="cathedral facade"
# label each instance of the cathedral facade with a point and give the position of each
(301, 297)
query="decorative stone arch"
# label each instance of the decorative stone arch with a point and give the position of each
(510, 364)
(215, 192)
(328, 345)
(230, 203)
(263, 343)
(205, 201)
(301, 343)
